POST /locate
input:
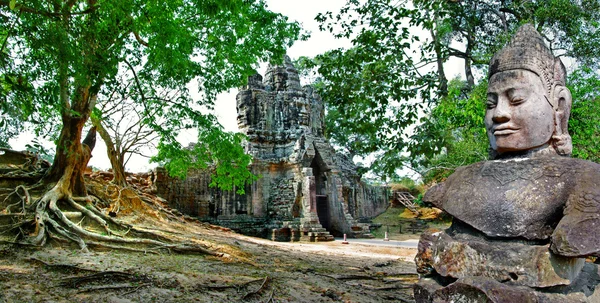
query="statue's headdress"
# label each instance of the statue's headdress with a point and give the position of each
(527, 50)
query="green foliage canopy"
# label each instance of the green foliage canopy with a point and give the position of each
(584, 124)
(216, 149)
(394, 72)
(70, 53)
(453, 134)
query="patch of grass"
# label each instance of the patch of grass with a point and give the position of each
(391, 222)
(396, 221)
(390, 217)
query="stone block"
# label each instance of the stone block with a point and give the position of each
(521, 264)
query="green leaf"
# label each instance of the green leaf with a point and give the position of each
(12, 4)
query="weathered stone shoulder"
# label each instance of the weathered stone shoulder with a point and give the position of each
(521, 198)
(578, 232)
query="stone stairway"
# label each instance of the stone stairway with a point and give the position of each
(301, 230)
(361, 231)
(315, 234)
(312, 231)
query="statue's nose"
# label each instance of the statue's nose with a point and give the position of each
(501, 112)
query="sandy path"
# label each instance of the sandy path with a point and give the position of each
(336, 248)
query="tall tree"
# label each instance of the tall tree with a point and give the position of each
(584, 125)
(452, 134)
(394, 72)
(119, 120)
(71, 50)
(12, 86)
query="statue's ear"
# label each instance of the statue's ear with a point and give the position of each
(563, 100)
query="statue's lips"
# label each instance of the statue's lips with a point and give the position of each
(504, 131)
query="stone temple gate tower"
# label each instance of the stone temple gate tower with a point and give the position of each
(306, 190)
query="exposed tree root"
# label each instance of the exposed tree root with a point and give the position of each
(107, 280)
(259, 290)
(12, 226)
(383, 288)
(24, 199)
(271, 297)
(110, 276)
(35, 221)
(70, 268)
(236, 286)
(113, 287)
(23, 165)
(349, 277)
(55, 203)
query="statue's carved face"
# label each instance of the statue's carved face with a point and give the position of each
(519, 116)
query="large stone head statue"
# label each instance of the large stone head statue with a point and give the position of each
(528, 104)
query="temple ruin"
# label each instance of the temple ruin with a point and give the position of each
(306, 191)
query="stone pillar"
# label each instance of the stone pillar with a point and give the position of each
(309, 196)
(258, 202)
(257, 198)
(309, 191)
(294, 235)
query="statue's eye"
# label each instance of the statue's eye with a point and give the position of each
(517, 100)
(492, 100)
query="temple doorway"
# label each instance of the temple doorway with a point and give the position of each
(318, 172)
(323, 212)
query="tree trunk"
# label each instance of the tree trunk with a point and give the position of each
(116, 161)
(443, 88)
(72, 156)
(70, 159)
(468, 67)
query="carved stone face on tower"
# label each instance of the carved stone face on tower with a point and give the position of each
(519, 116)
(528, 104)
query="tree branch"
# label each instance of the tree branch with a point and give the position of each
(139, 39)
(498, 13)
(510, 11)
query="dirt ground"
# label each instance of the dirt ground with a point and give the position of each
(250, 270)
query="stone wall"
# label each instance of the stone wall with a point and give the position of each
(281, 204)
(375, 200)
(193, 196)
